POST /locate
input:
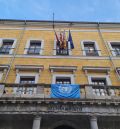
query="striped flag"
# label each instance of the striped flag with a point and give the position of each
(57, 39)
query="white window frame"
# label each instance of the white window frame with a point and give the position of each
(36, 75)
(28, 45)
(13, 46)
(95, 43)
(71, 76)
(108, 81)
(1, 74)
(111, 48)
(69, 48)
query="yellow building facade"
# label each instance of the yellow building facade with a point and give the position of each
(31, 59)
(103, 37)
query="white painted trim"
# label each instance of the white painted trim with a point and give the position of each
(13, 46)
(95, 43)
(48, 29)
(62, 57)
(63, 75)
(1, 43)
(1, 74)
(63, 68)
(110, 46)
(36, 75)
(28, 45)
(69, 48)
(99, 76)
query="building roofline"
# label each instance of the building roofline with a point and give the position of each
(58, 23)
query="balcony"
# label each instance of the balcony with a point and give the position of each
(43, 91)
(63, 52)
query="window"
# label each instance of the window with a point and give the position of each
(115, 48)
(34, 47)
(118, 70)
(99, 80)
(63, 79)
(27, 80)
(90, 48)
(7, 46)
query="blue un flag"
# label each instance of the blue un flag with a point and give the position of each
(65, 91)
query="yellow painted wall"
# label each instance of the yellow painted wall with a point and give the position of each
(48, 37)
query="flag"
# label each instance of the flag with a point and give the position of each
(65, 91)
(57, 39)
(61, 40)
(70, 40)
(64, 40)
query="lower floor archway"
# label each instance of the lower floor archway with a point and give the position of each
(64, 127)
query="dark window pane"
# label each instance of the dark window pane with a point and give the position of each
(63, 80)
(99, 81)
(27, 80)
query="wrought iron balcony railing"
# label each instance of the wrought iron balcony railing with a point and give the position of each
(5, 50)
(44, 91)
(91, 52)
(33, 51)
(62, 52)
(116, 52)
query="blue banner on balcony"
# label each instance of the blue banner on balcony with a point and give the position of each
(65, 91)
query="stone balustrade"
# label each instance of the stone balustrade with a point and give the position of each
(44, 91)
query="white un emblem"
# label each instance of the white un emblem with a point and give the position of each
(65, 89)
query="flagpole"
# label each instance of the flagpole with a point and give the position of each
(53, 22)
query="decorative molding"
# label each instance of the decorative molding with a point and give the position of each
(29, 67)
(48, 29)
(98, 69)
(2, 67)
(62, 57)
(63, 68)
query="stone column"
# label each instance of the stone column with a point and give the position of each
(36, 122)
(93, 122)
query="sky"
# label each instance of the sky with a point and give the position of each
(64, 10)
